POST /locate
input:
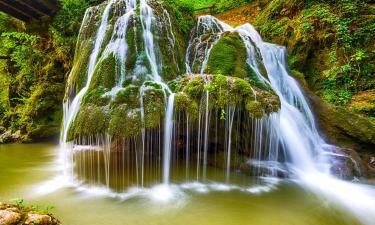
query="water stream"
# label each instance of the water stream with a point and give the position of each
(285, 143)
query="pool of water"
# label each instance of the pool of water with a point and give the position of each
(30, 171)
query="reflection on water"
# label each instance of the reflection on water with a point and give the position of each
(24, 168)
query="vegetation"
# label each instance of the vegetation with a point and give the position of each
(19, 213)
(330, 47)
(223, 91)
(220, 5)
(330, 42)
(33, 69)
(228, 56)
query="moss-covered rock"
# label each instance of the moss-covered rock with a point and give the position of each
(125, 122)
(223, 92)
(92, 120)
(228, 57)
(106, 73)
(97, 96)
(154, 107)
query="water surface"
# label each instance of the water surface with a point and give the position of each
(25, 169)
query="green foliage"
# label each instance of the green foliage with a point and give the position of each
(220, 5)
(32, 78)
(183, 11)
(19, 202)
(330, 42)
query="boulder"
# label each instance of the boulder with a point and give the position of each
(8, 217)
(17, 135)
(34, 218)
(2, 129)
(345, 163)
(371, 164)
(6, 137)
(343, 127)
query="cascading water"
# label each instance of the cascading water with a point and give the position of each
(283, 143)
(71, 109)
(299, 135)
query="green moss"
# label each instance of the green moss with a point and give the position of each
(255, 109)
(135, 46)
(183, 103)
(128, 96)
(223, 92)
(96, 97)
(228, 57)
(78, 74)
(105, 73)
(154, 109)
(194, 87)
(125, 122)
(91, 120)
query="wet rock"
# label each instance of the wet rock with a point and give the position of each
(8, 217)
(343, 127)
(371, 164)
(33, 218)
(17, 135)
(6, 137)
(345, 163)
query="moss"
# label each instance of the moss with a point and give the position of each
(91, 120)
(220, 94)
(154, 109)
(364, 103)
(128, 96)
(78, 74)
(255, 109)
(96, 97)
(228, 57)
(194, 87)
(135, 45)
(223, 92)
(183, 103)
(105, 73)
(125, 122)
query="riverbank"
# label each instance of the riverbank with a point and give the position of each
(19, 213)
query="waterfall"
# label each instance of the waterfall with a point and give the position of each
(168, 126)
(147, 18)
(295, 123)
(284, 142)
(72, 109)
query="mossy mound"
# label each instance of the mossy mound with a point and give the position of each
(91, 120)
(223, 92)
(119, 112)
(228, 57)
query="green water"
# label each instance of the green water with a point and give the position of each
(23, 168)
